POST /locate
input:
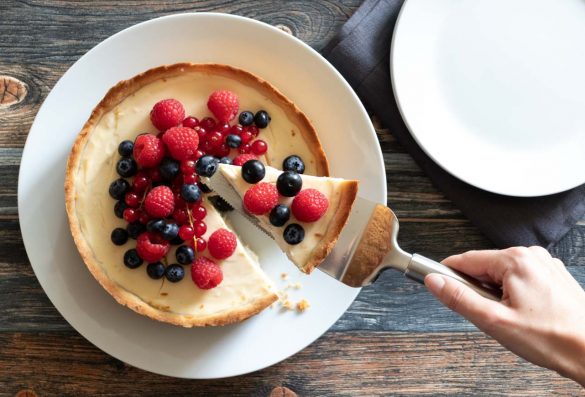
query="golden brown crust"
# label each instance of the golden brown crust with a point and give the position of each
(116, 95)
(348, 194)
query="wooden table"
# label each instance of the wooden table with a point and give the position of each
(394, 339)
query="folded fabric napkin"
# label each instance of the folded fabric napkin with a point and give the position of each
(361, 53)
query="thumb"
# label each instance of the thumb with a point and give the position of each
(460, 298)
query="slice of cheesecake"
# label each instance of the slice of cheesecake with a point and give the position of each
(306, 241)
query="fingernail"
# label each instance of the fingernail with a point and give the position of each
(434, 283)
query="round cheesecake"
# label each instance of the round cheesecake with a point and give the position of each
(123, 114)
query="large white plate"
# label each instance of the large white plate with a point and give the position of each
(494, 90)
(306, 78)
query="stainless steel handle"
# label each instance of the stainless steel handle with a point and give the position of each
(419, 266)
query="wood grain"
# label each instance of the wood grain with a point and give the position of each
(338, 364)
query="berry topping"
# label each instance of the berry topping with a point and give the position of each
(259, 147)
(201, 244)
(220, 204)
(245, 148)
(214, 139)
(119, 236)
(293, 234)
(234, 141)
(166, 114)
(177, 241)
(223, 104)
(206, 166)
(205, 273)
(186, 232)
(132, 259)
(253, 171)
(131, 215)
(253, 130)
(155, 225)
(187, 167)
(126, 167)
(190, 193)
(293, 163)
(243, 158)
(221, 244)
(140, 182)
(279, 215)
(159, 202)
(170, 231)
(132, 200)
(200, 228)
(208, 124)
(225, 160)
(119, 208)
(222, 151)
(246, 118)
(289, 183)
(236, 129)
(155, 270)
(135, 229)
(182, 142)
(180, 216)
(309, 205)
(185, 255)
(260, 198)
(169, 169)
(262, 119)
(223, 127)
(118, 188)
(190, 122)
(199, 212)
(246, 137)
(125, 148)
(151, 247)
(148, 150)
(174, 273)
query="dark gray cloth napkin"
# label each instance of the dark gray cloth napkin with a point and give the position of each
(361, 53)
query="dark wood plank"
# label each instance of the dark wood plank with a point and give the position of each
(340, 364)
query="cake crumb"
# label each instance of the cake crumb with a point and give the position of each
(286, 304)
(303, 305)
(284, 276)
(297, 285)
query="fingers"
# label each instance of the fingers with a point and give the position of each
(463, 300)
(490, 263)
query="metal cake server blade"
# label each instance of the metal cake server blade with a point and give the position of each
(366, 246)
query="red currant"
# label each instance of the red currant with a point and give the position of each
(259, 147)
(199, 212)
(180, 216)
(201, 132)
(154, 174)
(144, 217)
(223, 128)
(132, 200)
(179, 202)
(186, 232)
(246, 137)
(208, 123)
(215, 139)
(190, 179)
(236, 129)
(140, 182)
(187, 167)
(245, 148)
(252, 129)
(201, 244)
(131, 215)
(200, 228)
(207, 146)
(197, 155)
(223, 150)
(191, 122)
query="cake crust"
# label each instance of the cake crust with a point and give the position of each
(114, 97)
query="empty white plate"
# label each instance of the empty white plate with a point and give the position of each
(494, 90)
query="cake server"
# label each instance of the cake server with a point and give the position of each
(366, 246)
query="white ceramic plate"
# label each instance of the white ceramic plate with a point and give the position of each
(292, 66)
(494, 90)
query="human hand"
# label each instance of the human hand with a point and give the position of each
(541, 316)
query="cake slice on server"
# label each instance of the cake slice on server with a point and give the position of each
(304, 214)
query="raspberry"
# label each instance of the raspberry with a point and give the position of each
(224, 105)
(159, 202)
(261, 198)
(167, 113)
(222, 244)
(205, 273)
(182, 142)
(148, 150)
(242, 158)
(309, 205)
(151, 247)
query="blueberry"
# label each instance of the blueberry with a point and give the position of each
(234, 141)
(204, 188)
(262, 119)
(169, 169)
(294, 234)
(177, 241)
(253, 171)
(246, 118)
(225, 160)
(190, 193)
(170, 231)
(118, 188)
(125, 148)
(174, 273)
(293, 163)
(155, 225)
(155, 270)
(135, 229)
(289, 183)
(126, 167)
(220, 204)
(131, 259)
(279, 215)
(185, 255)
(119, 208)
(119, 236)
(206, 165)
